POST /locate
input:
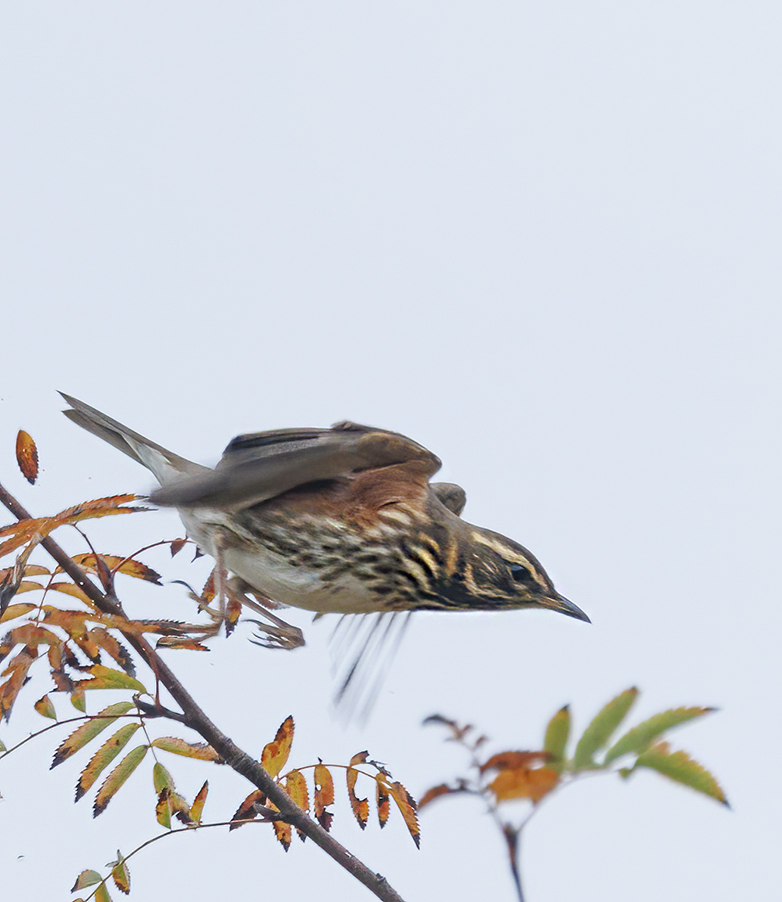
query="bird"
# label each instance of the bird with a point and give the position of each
(341, 520)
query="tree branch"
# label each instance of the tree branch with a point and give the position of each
(235, 757)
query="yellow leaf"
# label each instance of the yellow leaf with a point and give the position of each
(197, 808)
(117, 778)
(108, 678)
(45, 707)
(198, 750)
(121, 875)
(275, 754)
(89, 730)
(324, 795)
(407, 806)
(103, 757)
(524, 783)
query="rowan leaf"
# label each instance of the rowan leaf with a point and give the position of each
(275, 754)
(324, 796)
(680, 767)
(27, 456)
(557, 733)
(18, 676)
(514, 761)
(524, 783)
(247, 810)
(197, 808)
(17, 610)
(642, 736)
(45, 707)
(102, 894)
(359, 806)
(177, 545)
(117, 778)
(85, 879)
(115, 648)
(103, 757)
(108, 678)
(436, 792)
(284, 833)
(87, 731)
(407, 806)
(73, 590)
(78, 699)
(602, 726)
(198, 750)
(296, 787)
(161, 777)
(171, 803)
(383, 802)
(121, 875)
(117, 564)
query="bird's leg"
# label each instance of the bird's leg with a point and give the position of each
(275, 632)
(219, 541)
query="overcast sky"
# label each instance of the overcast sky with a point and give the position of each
(541, 239)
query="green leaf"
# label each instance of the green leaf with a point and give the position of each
(557, 733)
(89, 730)
(85, 879)
(45, 707)
(108, 678)
(2, 746)
(103, 757)
(162, 778)
(77, 699)
(117, 777)
(603, 725)
(102, 894)
(199, 750)
(680, 767)
(642, 736)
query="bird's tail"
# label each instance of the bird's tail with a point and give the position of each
(165, 465)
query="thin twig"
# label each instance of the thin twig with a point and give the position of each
(235, 757)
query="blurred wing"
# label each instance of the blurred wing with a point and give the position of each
(257, 467)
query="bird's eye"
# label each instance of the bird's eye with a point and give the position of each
(520, 573)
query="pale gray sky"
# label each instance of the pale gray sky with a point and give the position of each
(543, 240)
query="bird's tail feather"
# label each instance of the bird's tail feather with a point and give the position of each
(163, 463)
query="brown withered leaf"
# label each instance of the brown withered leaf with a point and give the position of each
(324, 796)
(442, 789)
(407, 806)
(197, 808)
(247, 810)
(233, 610)
(117, 564)
(181, 643)
(383, 802)
(275, 754)
(117, 778)
(359, 806)
(17, 610)
(87, 731)
(514, 760)
(113, 647)
(17, 675)
(177, 545)
(27, 456)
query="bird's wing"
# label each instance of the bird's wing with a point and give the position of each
(260, 466)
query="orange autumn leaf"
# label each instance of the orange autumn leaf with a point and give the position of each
(275, 754)
(407, 806)
(27, 456)
(524, 783)
(360, 806)
(247, 810)
(324, 796)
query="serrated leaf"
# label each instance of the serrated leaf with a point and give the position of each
(557, 733)
(407, 806)
(247, 810)
(680, 767)
(18, 675)
(638, 738)
(109, 678)
(296, 787)
(89, 730)
(284, 833)
(198, 750)
(103, 757)
(162, 779)
(324, 796)
(85, 879)
(17, 610)
(27, 456)
(121, 875)
(197, 808)
(117, 778)
(117, 564)
(171, 803)
(275, 754)
(78, 699)
(383, 803)
(603, 725)
(45, 707)
(359, 806)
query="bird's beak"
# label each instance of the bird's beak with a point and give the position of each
(565, 606)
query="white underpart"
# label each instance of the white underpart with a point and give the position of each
(273, 576)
